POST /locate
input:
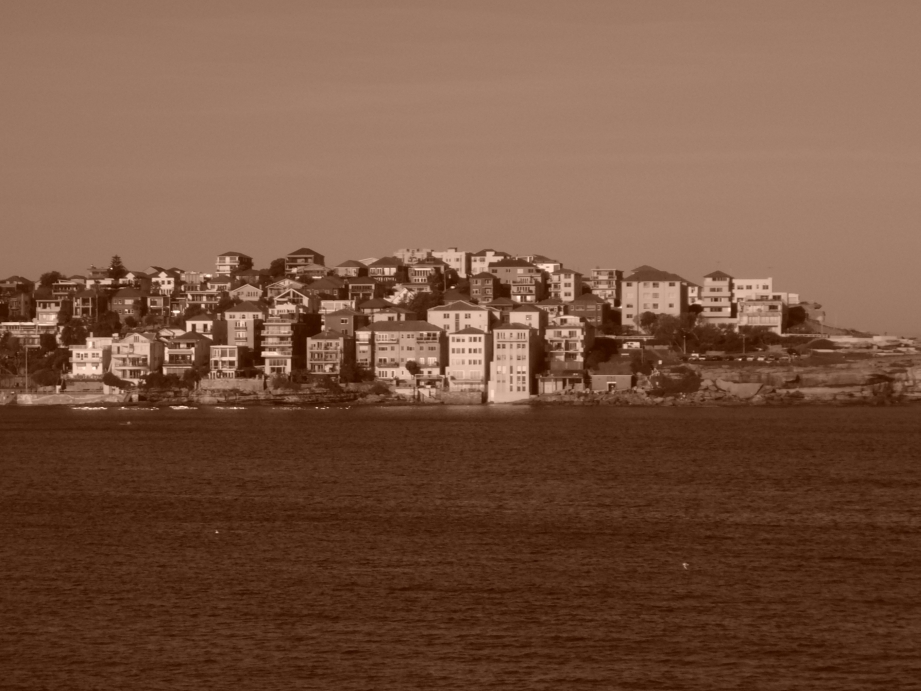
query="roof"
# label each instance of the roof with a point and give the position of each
(413, 325)
(517, 327)
(551, 301)
(191, 336)
(245, 307)
(350, 263)
(718, 274)
(247, 286)
(469, 330)
(512, 262)
(204, 317)
(458, 305)
(324, 283)
(302, 250)
(311, 267)
(345, 312)
(375, 303)
(648, 273)
(387, 261)
(527, 308)
(234, 254)
(484, 274)
(589, 297)
(360, 280)
(250, 272)
(484, 252)
(563, 272)
(129, 293)
(329, 334)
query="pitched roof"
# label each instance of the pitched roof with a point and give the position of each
(245, 307)
(589, 297)
(648, 273)
(325, 283)
(469, 330)
(551, 301)
(234, 254)
(387, 261)
(129, 293)
(375, 303)
(302, 250)
(359, 280)
(204, 317)
(517, 327)
(191, 336)
(412, 325)
(484, 274)
(527, 308)
(484, 252)
(350, 263)
(718, 274)
(565, 272)
(512, 263)
(458, 305)
(345, 312)
(329, 334)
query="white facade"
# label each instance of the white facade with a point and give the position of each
(468, 360)
(456, 259)
(751, 288)
(460, 315)
(90, 361)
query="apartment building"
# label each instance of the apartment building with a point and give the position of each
(299, 259)
(460, 315)
(329, 351)
(186, 351)
(458, 260)
(565, 285)
(345, 321)
(763, 311)
(388, 270)
(136, 355)
(350, 268)
(529, 315)
(717, 300)
(648, 289)
(231, 262)
(49, 311)
(480, 261)
(470, 352)
(284, 343)
(91, 360)
(484, 287)
(208, 325)
(244, 325)
(412, 255)
(226, 360)
(751, 288)
(517, 355)
(605, 283)
(394, 344)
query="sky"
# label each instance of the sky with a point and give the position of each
(759, 138)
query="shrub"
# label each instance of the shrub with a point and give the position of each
(379, 388)
(110, 379)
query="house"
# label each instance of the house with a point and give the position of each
(50, 311)
(329, 351)
(135, 279)
(158, 305)
(545, 264)
(363, 288)
(717, 299)
(244, 322)
(202, 299)
(592, 309)
(388, 270)
(221, 283)
(373, 307)
(231, 262)
(529, 315)
(28, 333)
(460, 315)
(455, 259)
(91, 360)
(517, 355)
(765, 311)
(351, 268)
(553, 307)
(185, 352)
(298, 259)
(346, 321)
(208, 325)
(394, 314)
(612, 376)
(397, 343)
(327, 306)
(502, 307)
(484, 287)
(311, 272)
(605, 283)
(247, 293)
(279, 287)
(16, 296)
(292, 311)
(480, 261)
(307, 300)
(648, 289)
(327, 288)
(135, 356)
(470, 352)
(428, 272)
(565, 285)
(525, 281)
(165, 281)
(254, 277)
(284, 343)
(226, 360)
(65, 288)
(90, 304)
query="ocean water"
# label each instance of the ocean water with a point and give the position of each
(460, 548)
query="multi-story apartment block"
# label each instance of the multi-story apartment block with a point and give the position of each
(516, 358)
(553, 307)
(480, 261)
(16, 295)
(456, 259)
(91, 360)
(231, 262)
(470, 352)
(648, 289)
(379, 309)
(226, 360)
(298, 259)
(158, 305)
(183, 352)
(244, 325)
(413, 255)
(545, 264)
(529, 315)
(460, 315)
(751, 288)
(565, 285)
(605, 283)
(202, 299)
(766, 311)
(388, 270)
(484, 287)
(129, 302)
(329, 351)
(66, 288)
(135, 356)
(717, 302)
(502, 308)
(394, 344)
(694, 297)
(284, 343)
(28, 333)
(568, 341)
(526, 282)
(351, 268)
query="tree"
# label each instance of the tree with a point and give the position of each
(49, 278)
(796, 315)
(422, 302)
(192, 311)
(277, 268)
(245, 264)
(46, 377)
(647, 321)
(110, 379)
(602, 350)
(131, 322)
(116, 268)
(73, 333)
(48, 342)
(108, 324)
(66, 312)
(413, 367)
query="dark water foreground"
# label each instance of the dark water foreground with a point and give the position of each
(517, 548)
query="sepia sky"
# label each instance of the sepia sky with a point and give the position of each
(760, 138)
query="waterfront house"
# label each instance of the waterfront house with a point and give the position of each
(135, 356)
(717, 301)
(470, 352)
(648, 289)
(225, 361)
(517, 355)
(91, 360)
(329, 351)
(184, 352)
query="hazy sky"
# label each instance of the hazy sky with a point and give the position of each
(760, 138)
